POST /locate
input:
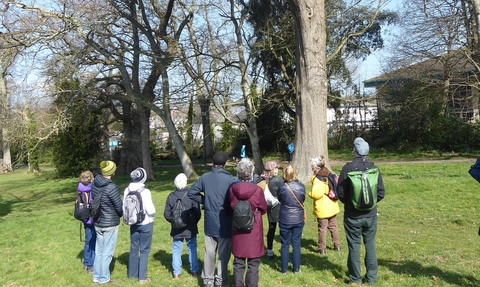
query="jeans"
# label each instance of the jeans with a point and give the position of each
(140, 241)
(291, 232)
(89, 248)
(104, 248)
(177, 247)
(224, 248)
(355, 229)
(251, 278)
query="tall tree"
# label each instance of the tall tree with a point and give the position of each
(311, 83)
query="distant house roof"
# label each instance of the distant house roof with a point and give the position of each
(431, 68)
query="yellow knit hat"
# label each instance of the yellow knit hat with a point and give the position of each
(108, 167)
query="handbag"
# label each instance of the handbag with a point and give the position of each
(303, 207)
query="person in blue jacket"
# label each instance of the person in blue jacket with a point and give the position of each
(210, 190)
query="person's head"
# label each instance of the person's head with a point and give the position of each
(289, 173)
(245, 169)
(180, 181)
(108, 168)
(360, 147)
(139, 175)
(271, 168)
(220, 159)
(317, 163)
(86, 177)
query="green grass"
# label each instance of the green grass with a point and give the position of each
(427, 233)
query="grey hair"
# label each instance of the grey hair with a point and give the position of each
(318, 162)
(245, 169)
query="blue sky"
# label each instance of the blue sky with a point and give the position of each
(372, 66)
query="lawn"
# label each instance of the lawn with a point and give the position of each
(427, 233)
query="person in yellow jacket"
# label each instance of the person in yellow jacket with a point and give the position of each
(325, 203)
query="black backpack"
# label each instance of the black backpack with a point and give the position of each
(243, 216)
(180, 214)
(81, 210)
(95, 205)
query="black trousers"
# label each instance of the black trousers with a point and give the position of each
(251, 278)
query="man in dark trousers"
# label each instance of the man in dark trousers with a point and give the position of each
(359, 223)
(217, 219)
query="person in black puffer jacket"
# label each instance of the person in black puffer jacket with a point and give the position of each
(106, 226)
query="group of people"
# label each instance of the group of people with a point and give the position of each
(101, 234)
(217, 193)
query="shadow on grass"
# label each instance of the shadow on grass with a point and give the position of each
(415, 269)
(166, 260)
(311, 258)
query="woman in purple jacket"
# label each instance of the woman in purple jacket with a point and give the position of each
(85, 185)
(291, 195)
(247, 246)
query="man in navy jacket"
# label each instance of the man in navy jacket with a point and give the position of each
(217, 219)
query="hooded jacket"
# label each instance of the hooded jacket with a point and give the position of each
(248, 244)
(148, 207)
(111, 204)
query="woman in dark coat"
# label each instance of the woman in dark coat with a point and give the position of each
(247, 247)
(291, 195)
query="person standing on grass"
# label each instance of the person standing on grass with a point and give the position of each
(359, 224)
(291, 195)
(85, 185)
(106, 227)
(247, 247)
(325, 203)
(272, 181)
(217, 219)
(187, 233)
(141, 233)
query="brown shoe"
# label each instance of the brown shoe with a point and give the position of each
(176, 276)
(144, 281)
(194, 274)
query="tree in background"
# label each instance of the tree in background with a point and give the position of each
(78, 147)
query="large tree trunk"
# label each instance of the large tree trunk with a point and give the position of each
(311, 101)
(4, 112)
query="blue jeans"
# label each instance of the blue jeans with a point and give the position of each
(177, 247)
(89, 248)
(291, 232)
(140, 241)
(104, 248)
(355, 230)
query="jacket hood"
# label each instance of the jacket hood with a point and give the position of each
(244, 190)
(101, 181)
(135, 186)
(84, 188)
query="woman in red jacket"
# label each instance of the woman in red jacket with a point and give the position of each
(247, 247)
